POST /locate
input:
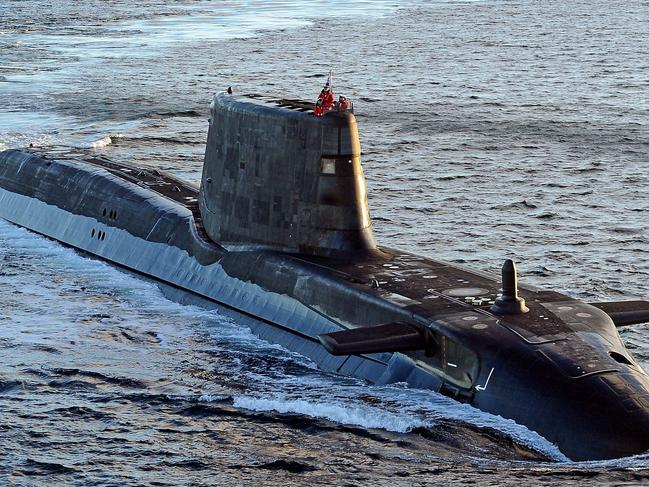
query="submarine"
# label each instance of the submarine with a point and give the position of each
(279, 232)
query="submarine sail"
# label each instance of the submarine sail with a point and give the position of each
(283, 180)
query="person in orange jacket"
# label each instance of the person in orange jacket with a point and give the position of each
(327, 97)
(343, 103)
(317, 109)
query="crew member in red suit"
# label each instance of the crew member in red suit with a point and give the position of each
(343, 103)
(317, 109)
(327, 97)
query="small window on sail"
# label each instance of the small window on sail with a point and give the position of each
(327, 166)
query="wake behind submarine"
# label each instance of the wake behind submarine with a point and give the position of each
(280, 232)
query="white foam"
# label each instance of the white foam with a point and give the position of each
(636, 461)
(365, 417)
(99, 143)
(15, 140)
(437, 406)
(117, 292)
(256, 16)
(212, 398)
(395, 407)
(103, 142)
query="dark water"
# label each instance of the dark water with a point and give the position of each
(489, 130)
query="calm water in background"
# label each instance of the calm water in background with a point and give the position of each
(489, 130)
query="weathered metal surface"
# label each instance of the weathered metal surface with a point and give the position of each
(277, 176)
(153, 234)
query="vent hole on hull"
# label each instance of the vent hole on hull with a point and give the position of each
(104, 214)
(618, 357)
(92, 234)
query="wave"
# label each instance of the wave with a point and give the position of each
(174, 114)
(37, 467)
(415, 411)
(370, 418)
(477, 436)
(120, 381)
(14, 140)
(99, 143)
(165, 140)
(515, 205)
(291, 466)
(9, 386)
(134, 140)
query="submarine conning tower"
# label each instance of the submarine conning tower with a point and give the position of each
(277, 177)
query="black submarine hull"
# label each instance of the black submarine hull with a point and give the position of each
(565, 375)
(92, 209)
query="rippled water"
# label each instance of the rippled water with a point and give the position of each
(489, 130)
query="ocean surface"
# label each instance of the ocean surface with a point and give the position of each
(490, 130)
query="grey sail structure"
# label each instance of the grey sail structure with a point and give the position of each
(283, 179)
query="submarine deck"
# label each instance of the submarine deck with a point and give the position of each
(165, 184)
(423, 285)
